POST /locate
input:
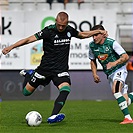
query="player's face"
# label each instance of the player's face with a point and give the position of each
(61, 25)
(98, 38)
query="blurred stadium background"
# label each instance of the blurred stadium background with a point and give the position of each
(19, 19)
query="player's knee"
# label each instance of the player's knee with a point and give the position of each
(117, 87)
(65, 88)
(26, 92)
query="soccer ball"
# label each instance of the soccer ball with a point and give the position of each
(33, 118)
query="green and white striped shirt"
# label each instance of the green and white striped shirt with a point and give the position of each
(109, 51)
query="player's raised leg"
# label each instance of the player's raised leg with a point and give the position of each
(27, 74)
(27, 88)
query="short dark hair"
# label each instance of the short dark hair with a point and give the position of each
(97, 27)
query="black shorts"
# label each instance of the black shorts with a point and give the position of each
(57, 78)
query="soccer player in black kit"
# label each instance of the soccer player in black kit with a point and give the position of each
(54, 62)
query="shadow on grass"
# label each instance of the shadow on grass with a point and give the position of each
(45, 123)
(103, 120)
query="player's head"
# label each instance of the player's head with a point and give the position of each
(61, 21)
(98, 38)
(97, 27)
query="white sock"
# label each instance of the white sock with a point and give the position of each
(128, 116)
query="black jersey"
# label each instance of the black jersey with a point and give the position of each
(56, 47)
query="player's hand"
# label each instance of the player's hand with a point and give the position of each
(104, 32)
(96, 79)
(110, 65)
(6, 50)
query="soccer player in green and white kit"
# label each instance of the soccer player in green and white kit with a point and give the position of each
(113, 59)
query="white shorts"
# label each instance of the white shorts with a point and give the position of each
(120, 75)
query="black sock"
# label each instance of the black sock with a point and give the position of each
(26, 79)
(59, 102)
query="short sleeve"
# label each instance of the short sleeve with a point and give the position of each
(118, 48)
(91, 55)
(42, 34)
(73, 31)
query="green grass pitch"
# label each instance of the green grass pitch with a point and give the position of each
(81, 117)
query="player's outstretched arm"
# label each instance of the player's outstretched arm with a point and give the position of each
(87, 34)
(19, 43)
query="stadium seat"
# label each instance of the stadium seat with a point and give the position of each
(40, 1)
(15, 6)
(14, 1)
(43, 6)
(112, 1)
(99, 5)
(98, 1)
(126, 1)
(113, 5)
(29, 6)
(70, 6)
(122, 17)
(127, 7)
(28, 1)
(57, 6)
(84, 6)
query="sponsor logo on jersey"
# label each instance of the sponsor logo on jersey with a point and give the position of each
(61, 41)
(103, 57)
(56, 36)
